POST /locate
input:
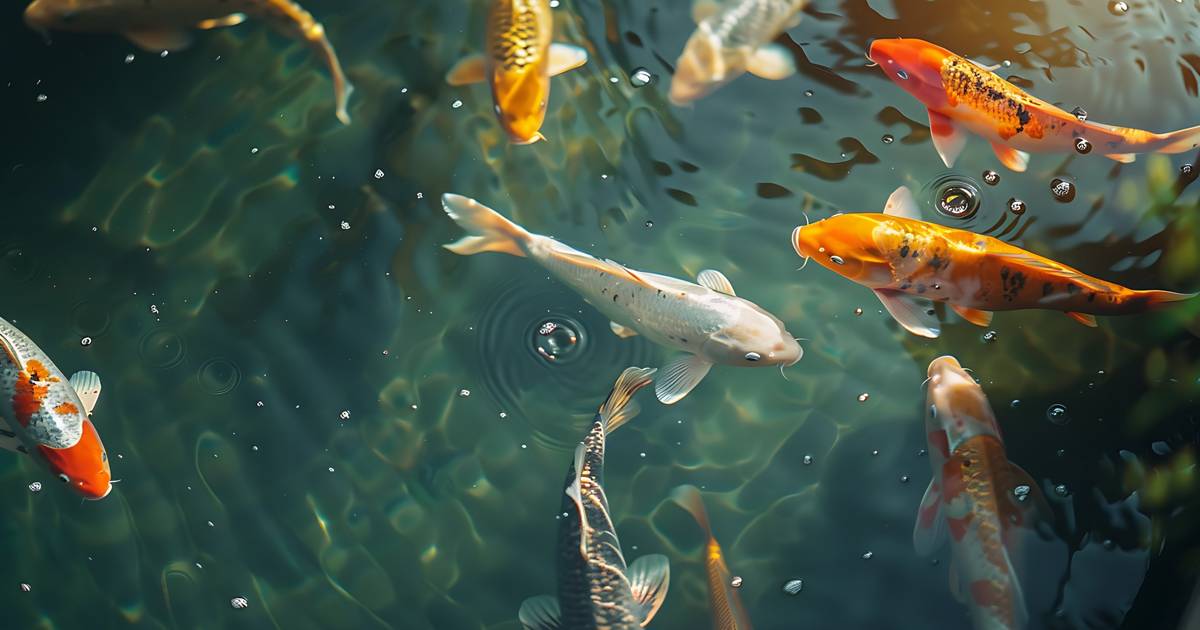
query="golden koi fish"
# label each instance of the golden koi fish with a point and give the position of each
(962, 96)
(971, 499)
(161, 25)
(728, 612)
(909, 262)
(518, 64)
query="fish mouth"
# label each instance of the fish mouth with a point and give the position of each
(942, 363)
(796, 240)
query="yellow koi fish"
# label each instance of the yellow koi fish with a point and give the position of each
(518, 64)
(728, 612)
(963, 96)
(162, 25)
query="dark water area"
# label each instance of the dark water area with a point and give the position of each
(312, 405)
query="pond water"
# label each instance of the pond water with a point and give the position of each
(312, 405)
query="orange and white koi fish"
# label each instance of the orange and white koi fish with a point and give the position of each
(972, 498)
(518, 64)
(158, 25)
(734, 37)
(707, 322)
(963, 96)
(728, 612)
(909, 262)
(45, 415)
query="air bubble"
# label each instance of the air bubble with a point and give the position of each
(555, 339)
(1063, 189)
(641, 78)
(1057, 414)
(1082, 146)
(1080, 113)
(957, 199)
(888, 139)
(1118, 8)
(793, 587)
(991, 178)
(1016, 206)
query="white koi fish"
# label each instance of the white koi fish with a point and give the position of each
(734, 37)
(157, 25)
(45, 415)
(706, 321)
(971, 499)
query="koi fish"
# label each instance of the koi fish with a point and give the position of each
(45, 415)
(971, 498)
(519, 62)
(963, 96)
(595, 588)
(909, 262)
(728, 612)
(707, 322)
(158, 25)
(733, 37)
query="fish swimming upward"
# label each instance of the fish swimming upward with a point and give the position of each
(595, 589)
(964, 96)
(733, 37)
(706, 321)
(518, 64)
(158, 25)
(909, 262)
(728, 612)
(45, 415)
(972, 500)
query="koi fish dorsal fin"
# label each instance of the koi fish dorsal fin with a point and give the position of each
(620, 407)
(540, 613)
(1060, 272)
(902, 204)
(649, 578)
(575, 492)
(929, 532)
(10, 352)
(716, 281)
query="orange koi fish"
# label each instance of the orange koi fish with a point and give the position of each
(963, 96)
(909, 263)
(45, 415)
(728, 612)
(518, 64)
(971, 499)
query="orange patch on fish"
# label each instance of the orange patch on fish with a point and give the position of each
(66, 408)
(1009, 108)
(27, 397)
(958, 526)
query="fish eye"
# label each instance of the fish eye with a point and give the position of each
(64, 478)
(902, 74)
(753, 356)
(103, 456)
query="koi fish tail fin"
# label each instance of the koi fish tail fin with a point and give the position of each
(487, 230)
(1180, 141)
(1162, 299)
(688, 498)
(620, 407)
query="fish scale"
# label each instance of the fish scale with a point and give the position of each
(753, 22)
(515, 33)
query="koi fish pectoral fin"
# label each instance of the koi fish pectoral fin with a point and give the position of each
(948, 138)
(565, 57)
(929, 533)
(158, 40)
(623, 332)
(973, 315)
(1084, 318)
(902, 204)
(679, 377)
(716, 281)
(649, 578)
(914, 314)
(540, 613)
(772, 61)
(468, 70)
(233, 19)
(1011, 158)
(87, 386)
(1123, 158)
(1014, 509)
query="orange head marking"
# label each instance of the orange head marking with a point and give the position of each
(957, 402)
(915, 65)
(846, 244)
(520, 101)
(83, 466)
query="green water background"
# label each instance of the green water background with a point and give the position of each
(213, 185)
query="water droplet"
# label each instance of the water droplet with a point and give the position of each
(1080, 113)
(1016, 206)
(641, 78)
(41, 98)
(1063, 189)
(736, 582)
(503, 415)
(1119, 7)
(378, 173)
(456, 104)
(837, 260)
(904, 479)
(808, 92)
(1161, 448)
(1109, 544)
(239, 603)
(990, 336)
(1082, 146)
(868, 555)
(1061, 490)
(345, 225)
(649, 224)
(129, 58)
(957, 200)
(1021, 492)
(345, 415)
(808, 460)
(793, 587)
(1187, 170)
(858, 311)
(991, 178)
(863, 397)
(902, 75)
(875, 453)
(555, 339)
(25, 588)
(86, 341)
(888, 138)
(463, 393)
(35, 486)
(1057, 414)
